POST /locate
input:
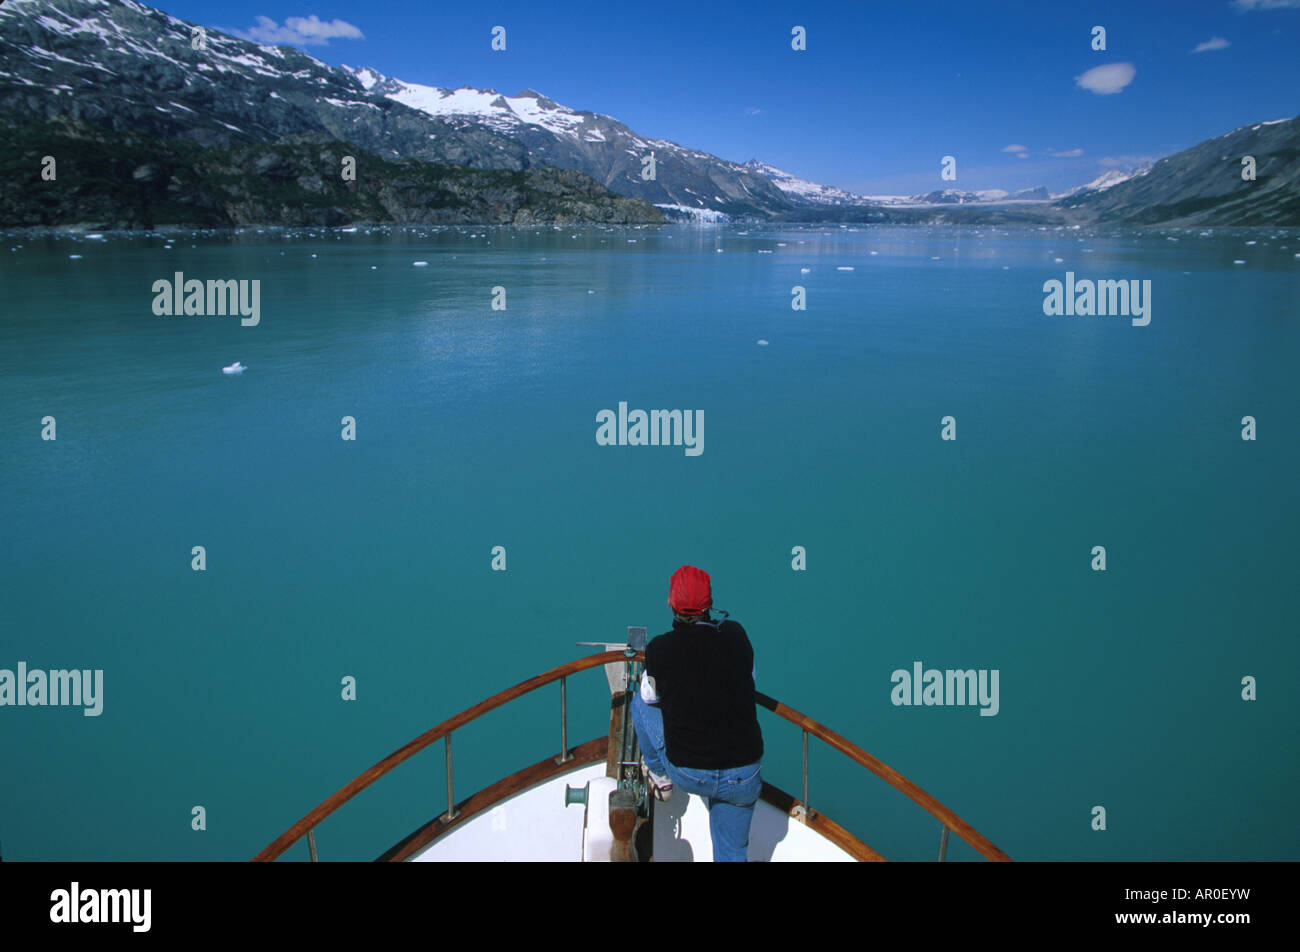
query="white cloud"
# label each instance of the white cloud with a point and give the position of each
(1245, 6)
(1022, 155)
(1104, 80)
(1015, 148)
(1069, 154)
(300, 31)
(752, 111)
(1213, 43)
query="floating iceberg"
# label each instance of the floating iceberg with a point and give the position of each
(235, 368)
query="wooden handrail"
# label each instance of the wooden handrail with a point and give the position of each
(855, 753)
(888, 774)
(406, 751)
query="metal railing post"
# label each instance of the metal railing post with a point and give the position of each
(564, 723)
(451, 802)
(943, 844)
(311, 844)
(806, 812)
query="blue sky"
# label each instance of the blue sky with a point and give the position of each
(883, 91)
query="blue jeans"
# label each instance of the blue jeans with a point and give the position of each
(730, 794)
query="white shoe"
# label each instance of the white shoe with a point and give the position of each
(661, 787)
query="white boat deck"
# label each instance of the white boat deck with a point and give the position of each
(535, 826)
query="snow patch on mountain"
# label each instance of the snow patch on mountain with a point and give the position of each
(803, 189)
(1108, 179)
(502, 113)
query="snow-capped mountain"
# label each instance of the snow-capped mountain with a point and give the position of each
(802, 190)
(127, 66)
(985, 196)
(1105, 180)
(598, 145)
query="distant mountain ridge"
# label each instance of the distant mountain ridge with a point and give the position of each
(802, 190)
(132, 69)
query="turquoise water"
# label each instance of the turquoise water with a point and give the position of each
(476, 428)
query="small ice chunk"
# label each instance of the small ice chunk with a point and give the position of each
(235, 368)
(762, 343)
(844, 268)
(1239, 261)
(420, 264)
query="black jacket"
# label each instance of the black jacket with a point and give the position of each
(704, 678)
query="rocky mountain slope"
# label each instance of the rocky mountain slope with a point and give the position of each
(126, 66)
(122, 180)
(1203, 185)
